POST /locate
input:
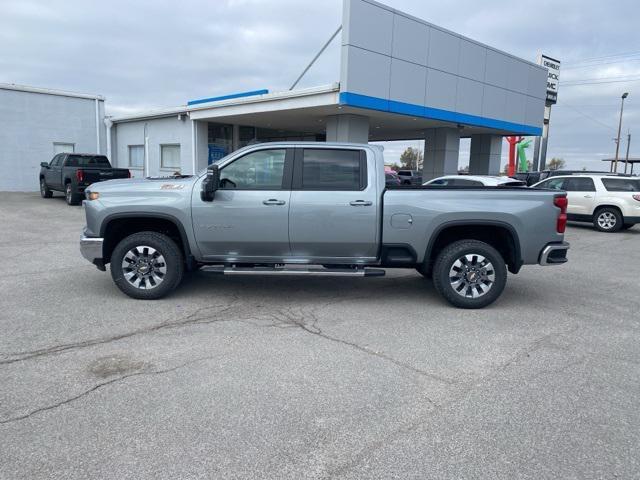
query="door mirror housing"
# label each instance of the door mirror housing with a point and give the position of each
(210, 183)
(44, 164)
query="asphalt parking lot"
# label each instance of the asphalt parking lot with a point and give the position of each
(263, 377)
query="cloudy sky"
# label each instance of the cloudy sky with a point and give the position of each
(146, 54)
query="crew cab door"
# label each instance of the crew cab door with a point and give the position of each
(248, 220)
(53, 174)
(333, 216)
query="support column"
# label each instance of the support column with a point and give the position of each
(485, 155)
(441, 150)
(348, 128)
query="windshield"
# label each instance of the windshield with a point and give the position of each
(87, 161)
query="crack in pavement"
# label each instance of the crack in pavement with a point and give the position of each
(532, 347)
(194, 318)
(289, 318)
(99, 386)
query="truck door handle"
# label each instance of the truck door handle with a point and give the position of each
(273, 201)
(361, 203)
(588, 196)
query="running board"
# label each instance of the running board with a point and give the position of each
(332, 272)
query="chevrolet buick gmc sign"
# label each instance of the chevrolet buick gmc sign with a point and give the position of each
(553, 77)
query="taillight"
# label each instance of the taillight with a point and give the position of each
(636, 197)
(128, 173)
(80, 175)
(561, 223)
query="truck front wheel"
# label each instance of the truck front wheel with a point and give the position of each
(469, 274)
(147, 265)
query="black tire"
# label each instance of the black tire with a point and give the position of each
(44, 189)
(170, 255)
(608, 219)
(491, 281)
(72, 198)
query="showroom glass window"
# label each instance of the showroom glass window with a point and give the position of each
(136, 156)
(332, 169)
(170, 156)
(261, 170)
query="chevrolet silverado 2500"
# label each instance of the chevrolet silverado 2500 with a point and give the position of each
(323, 209)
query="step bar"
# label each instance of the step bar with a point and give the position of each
(315, 271)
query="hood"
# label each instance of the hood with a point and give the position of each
(149, 184)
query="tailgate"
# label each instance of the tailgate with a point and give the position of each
(94, 175)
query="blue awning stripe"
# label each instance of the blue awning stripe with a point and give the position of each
(228, 97)
(375, 103)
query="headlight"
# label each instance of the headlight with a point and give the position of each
(93, 196)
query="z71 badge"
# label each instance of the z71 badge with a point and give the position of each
(172, 186)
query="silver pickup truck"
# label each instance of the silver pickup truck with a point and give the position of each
(318, 209)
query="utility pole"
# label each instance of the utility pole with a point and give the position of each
(615, 161)
(626, 159)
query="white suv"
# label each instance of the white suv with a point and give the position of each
(611, 202)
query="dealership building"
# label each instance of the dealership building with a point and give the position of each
(400, 78)
(37, 123)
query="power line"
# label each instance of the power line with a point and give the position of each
(585, 60)
(586, 115)
(598, 79)
(624, 60)
(567, 85)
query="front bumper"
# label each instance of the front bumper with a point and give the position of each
(554, 254)
(91, 249)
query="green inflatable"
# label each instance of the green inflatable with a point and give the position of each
(522, 155)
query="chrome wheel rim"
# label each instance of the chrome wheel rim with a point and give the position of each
(144, 267)
(472, 275)
(607, 220)
(42, 188)
(68, 193)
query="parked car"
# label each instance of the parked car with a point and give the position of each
(391, 179)
(410, 177)
(72, 173)
(475, 181)
(532, 178)
(281, 208)
(610, 202)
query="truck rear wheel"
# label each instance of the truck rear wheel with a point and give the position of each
(70, 196)
(147, 265)
(469, 274)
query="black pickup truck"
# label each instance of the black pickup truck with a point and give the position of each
(71, 173)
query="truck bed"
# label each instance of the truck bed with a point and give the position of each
(414, 214)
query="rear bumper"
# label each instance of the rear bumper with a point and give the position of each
(554, 254)
(91, 249)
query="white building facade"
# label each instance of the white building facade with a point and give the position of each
(37, 123)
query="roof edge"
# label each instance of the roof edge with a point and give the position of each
(49, 91)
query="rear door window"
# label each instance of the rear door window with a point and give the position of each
(621, 184)
(330, 169)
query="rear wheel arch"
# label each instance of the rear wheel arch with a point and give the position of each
(608, 205)
(500, 235)
(116, 227)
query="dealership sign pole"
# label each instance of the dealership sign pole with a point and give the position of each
(553, 81)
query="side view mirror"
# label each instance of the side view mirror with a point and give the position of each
(44, 164)
(210, 183)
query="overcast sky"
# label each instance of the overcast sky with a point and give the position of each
(145, 54)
